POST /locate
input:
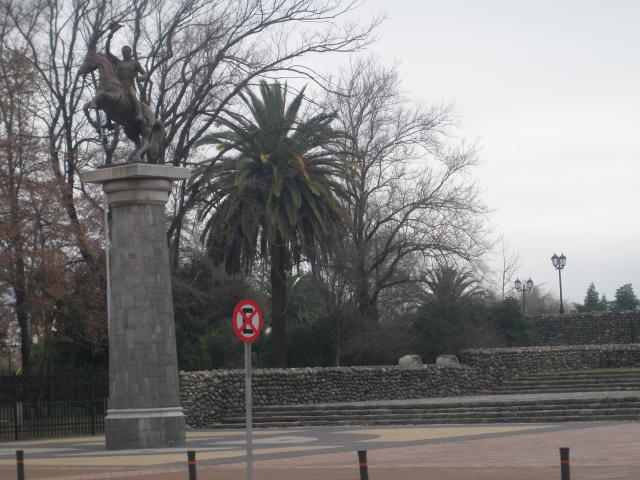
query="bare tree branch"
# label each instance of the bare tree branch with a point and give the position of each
(413, 200)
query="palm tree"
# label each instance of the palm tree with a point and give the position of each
(279, 196)
(446, 321)
(449, 285)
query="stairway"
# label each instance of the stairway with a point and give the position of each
(532, 398)
(576, 381)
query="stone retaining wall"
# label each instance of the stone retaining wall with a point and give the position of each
(208, 396)
(599, 328)
(508, 362)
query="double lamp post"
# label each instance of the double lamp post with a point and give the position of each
(523, 287)
(559, 262)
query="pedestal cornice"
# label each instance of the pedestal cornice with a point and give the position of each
(135, 170)
(136, 183)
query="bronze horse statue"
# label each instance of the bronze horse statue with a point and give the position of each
(148, 135)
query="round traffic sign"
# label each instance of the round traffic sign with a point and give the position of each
(247, 320)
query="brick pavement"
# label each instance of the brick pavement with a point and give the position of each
(598, 451)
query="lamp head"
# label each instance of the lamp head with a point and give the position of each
(529, 284)
(563, 260)
(518, 284)
(555, 260)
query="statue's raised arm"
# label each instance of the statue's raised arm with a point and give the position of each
(116, 95)
(114, 27)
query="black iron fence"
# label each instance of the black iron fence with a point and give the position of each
(40, 406)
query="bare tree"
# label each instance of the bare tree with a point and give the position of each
(198, 54)
(510, 263)
(539, 301)
(52, 34)
(413, 199)
(37, 253)
(18, 147)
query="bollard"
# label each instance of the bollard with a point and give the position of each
(565, 467)
(191, 462)
(364, 468)
(20, 464)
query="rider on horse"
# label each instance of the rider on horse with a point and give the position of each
(116, 96)
(127, 70)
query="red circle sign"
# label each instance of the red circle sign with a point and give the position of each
(247, 320)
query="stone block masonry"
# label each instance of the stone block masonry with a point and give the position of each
(144, 399)
(142, 349)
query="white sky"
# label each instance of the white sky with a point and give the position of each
(551, 89)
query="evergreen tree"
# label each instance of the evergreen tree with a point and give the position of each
(591, 300)
(603, 305)
(626, 298)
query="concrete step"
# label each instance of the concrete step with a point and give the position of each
(440, 421)
(451, 410)
(511, 389)
(498, 411)
(517, 391)
(586, 374)
(329, 418)
(507, 403)
(575, 381)
(571, 381)
(582, 378)
(496, 401)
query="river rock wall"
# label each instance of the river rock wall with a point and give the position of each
(500, 363)
(601, 328)
(571, 342)
(208, 396)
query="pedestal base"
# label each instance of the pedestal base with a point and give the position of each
(137, 428)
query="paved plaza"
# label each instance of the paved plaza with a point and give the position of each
(483, 452)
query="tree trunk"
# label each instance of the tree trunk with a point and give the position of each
(337, 338)
(19, 278)
(22, 316)
(65, 189)
(278, 304)
(174, 249)
(174, 243)
(366, 303)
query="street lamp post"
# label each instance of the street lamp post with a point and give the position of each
(520, 287)
(559, 262)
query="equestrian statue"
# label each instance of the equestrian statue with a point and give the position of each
(116, 95)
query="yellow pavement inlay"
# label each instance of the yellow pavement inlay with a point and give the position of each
(256, 453)
(57, 441)
(99, 439)
(238, 433)
(153, 459)
(433, 433)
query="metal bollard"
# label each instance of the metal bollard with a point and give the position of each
(364, 468)
(20, 464)
(565, 467)
(191, 462)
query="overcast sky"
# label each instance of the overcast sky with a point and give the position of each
(551, 89)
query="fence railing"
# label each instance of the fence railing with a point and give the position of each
(40, 406)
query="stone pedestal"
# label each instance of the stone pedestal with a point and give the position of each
(144, 398)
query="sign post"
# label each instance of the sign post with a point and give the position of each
(247, 324)
(248, 408)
